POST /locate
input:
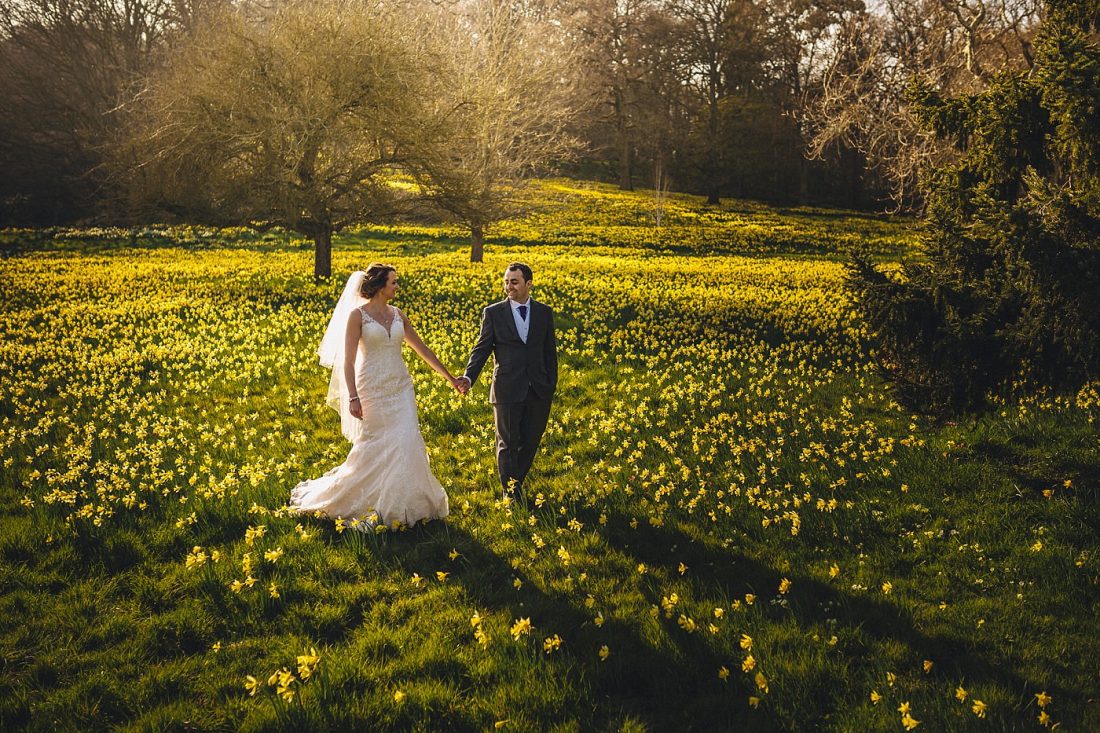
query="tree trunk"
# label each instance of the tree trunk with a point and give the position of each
(322, 253)
(712, 163)
(622, 134)
(852, 163)
(626, 177)
(477, 244)
(803, 180)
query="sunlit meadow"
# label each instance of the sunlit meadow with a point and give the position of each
(731, 525)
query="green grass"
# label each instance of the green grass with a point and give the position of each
(718, 430)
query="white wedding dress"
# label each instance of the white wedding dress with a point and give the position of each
(386, 474)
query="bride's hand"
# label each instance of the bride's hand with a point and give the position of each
(356, 409)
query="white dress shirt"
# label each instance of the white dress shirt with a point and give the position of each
(522, 325)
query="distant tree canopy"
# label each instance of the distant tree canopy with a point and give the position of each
(313, 115)
(1009, 287)
(782, 100)
(66, 66)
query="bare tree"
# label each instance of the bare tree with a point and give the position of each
(662, 183)
(295, 116)
(799, 36)
(721, 54)
(67, 64)
(505, 98)
(955, 45)
(623, 44)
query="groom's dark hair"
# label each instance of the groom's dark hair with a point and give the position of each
(522, 268)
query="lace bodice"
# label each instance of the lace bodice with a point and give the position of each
(380, 368)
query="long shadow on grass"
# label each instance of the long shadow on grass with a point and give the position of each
(1031, 465)
(668, 691)
(725, 574)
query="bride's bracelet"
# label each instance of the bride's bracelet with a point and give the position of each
(353, 399)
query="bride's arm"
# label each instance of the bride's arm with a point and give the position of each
(423, 351)
(351, 349)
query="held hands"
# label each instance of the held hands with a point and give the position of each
(460, 384)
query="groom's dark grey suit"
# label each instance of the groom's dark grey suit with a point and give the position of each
(525, 376)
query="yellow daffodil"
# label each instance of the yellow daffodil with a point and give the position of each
(520, 628)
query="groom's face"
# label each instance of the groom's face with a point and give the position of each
(515, 287)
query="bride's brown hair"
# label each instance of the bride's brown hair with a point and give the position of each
(377, 275)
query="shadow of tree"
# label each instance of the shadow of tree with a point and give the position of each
(667, 691)
(1031, 465)
(719, 573)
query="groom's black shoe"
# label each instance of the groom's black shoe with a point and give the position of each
(515, 492)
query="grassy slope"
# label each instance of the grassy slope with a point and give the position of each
(717, 431)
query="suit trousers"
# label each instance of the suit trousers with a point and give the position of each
(519, 429)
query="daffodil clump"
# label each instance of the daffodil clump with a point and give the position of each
(729, 512)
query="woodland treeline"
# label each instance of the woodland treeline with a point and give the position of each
(788, 101)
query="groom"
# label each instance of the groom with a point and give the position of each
(519, 332)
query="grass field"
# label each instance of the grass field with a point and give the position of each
(731, 524)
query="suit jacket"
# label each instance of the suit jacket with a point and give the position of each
(519, 367)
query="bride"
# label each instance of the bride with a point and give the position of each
(386, 477)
